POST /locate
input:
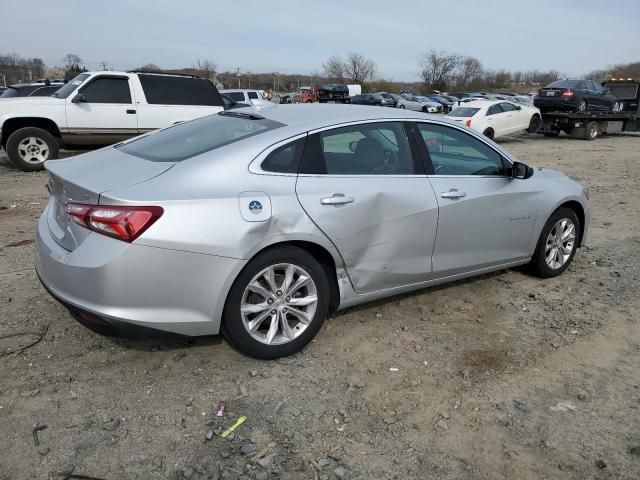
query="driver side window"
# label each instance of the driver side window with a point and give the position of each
(455, 152)
(365, 149)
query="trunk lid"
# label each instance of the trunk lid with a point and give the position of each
(552, 92)
(83, 178)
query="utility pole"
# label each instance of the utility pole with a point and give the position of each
(238, 75)
(104, 65)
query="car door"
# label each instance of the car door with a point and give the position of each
(486, 218)
(365, 189)
(601, 94)
(497, 119)
(102, 112)
(515, 118)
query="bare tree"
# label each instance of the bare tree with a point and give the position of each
(359, 69)
(437, 68)
(207, 68)
(71, 60)
(334, 68)
(150, 67)
(469, 71)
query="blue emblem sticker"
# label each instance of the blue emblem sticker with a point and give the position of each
(255, 206)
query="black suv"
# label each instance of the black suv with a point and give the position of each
(37, 89)
(333, 93)
(575, 96)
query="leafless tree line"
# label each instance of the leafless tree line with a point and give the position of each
(355, 69)
(442, 70)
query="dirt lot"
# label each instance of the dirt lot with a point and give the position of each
(503, 376)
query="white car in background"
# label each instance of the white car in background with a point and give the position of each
(496, 118)
(250, 97)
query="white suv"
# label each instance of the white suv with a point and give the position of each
(100, 108)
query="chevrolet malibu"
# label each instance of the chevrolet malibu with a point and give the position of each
(260, 224)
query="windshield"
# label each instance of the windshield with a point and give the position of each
(66, 90)
(198, 136)
(463, 112)
(9, 92)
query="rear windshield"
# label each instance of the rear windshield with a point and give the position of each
(463, 112)
(564, 84)
(198, 136)
(66, 90)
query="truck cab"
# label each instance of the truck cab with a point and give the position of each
(627, 90)
(100, 108)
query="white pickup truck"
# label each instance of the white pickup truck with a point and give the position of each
(100, 108)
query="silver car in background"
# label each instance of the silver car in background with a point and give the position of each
(260, 224)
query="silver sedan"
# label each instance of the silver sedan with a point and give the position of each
(261, 223)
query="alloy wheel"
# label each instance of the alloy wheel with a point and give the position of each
(560, 243)
(33, 150)
(279, 303)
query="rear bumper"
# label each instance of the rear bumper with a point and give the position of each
(130, 286)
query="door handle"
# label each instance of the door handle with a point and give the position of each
(337, 199)
(131, 112)
(453, 193)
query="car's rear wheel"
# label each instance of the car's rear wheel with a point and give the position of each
(591, 131)
(534, 124)
(582, 106)
(401, 106)
(557, 244)
(29, 147)
(489, 133)
(277, 304)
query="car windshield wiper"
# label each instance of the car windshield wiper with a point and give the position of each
(248, 116)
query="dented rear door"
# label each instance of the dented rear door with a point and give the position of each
(383, 223)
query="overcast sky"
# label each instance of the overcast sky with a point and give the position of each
(571, 36)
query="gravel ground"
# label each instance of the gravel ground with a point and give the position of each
(501, 376)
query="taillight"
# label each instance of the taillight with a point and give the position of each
(468, 123)
(568, 93)
(125, 223)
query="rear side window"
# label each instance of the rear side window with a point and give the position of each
(107, 90)
(285, 159)
(493, 109)
(463, 112)
(169, 90)
(237, 96)
(198, 136)
(365, 149)
(252, 95)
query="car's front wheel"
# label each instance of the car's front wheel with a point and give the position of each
(277, 304)
(557, 244)
(29, 147)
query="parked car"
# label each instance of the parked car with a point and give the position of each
(524, 99)
(288, 98)
(2, 90)
(38, 89)
(293, 226)
(575, 96)
(230, 103)
(334, 93)
(496, 118)
(458, 95)
(371, 99)
(447, 104)
(411, 102)
(250, 97)
(391, 99)
(428, 105)
(100, 108)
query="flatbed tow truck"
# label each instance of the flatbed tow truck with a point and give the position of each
(589, 125)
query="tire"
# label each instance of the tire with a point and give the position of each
(29, 147)
(425, 110)
(591, 131)
(539, 265)
(235, 322)
(402, 106)
(534, 124)
(582, 106)
(551, 134)
(489, 133)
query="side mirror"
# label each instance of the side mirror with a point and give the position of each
(79, 98)
(521, 171)
(518, 107)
